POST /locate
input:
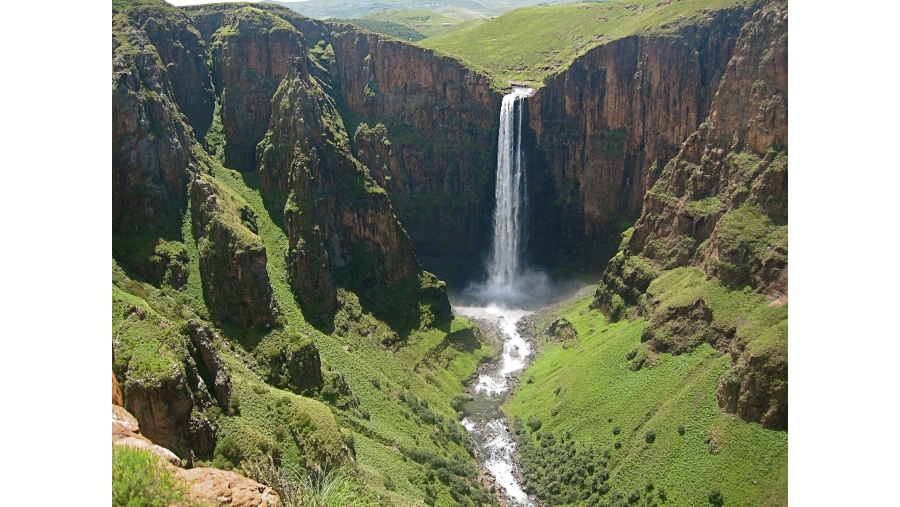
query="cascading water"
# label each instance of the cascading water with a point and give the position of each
(499, 300)
(509, 213)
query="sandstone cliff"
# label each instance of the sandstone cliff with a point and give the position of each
(250, 51)
(605, 127)
(340, 223)
(152, 151)
(436, 154)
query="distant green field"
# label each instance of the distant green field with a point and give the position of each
(427, 23)
(345, 9)
(397, 30)
(584, 389)
(530, 44)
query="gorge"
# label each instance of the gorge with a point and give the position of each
(310, 220)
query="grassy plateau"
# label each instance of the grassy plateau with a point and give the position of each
(532, 43)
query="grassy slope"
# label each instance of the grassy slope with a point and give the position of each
(530, 44)
(325, 9)
(427, 23)
(431, 366)
(435, 354)
(596, 384)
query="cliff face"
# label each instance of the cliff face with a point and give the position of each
(606, 126)
(251, 52)
(182, 51)
(720, 205)
(435, 154)
(340, 223)
(232, 257)
(152, 145)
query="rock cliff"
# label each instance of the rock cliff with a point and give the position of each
(152, 151)
(340, 223)
(232, 257)
(606, 126)
(250, 53)
(435, 153)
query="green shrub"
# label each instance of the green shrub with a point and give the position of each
(634, 496)
(680, 429)
(716, 498)
(140, 479)
(228, 453)
(616, 430)
(650, 436)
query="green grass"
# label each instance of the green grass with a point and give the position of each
(141, 479)
(597, 391)
(390, 28)
(424, 22)
(533, 43)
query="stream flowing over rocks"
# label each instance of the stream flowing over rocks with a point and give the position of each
(483, 419)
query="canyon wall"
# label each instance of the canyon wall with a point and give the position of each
(435, 147)
(605, 127)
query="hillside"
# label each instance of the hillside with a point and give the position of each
(586, 408)
(327, 9)
(408, 25)
(675, 374)
(533, 43)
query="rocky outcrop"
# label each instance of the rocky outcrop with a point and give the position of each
(182, 51)
(605, 127)
(296, 367)
(232, 257)
(222, 487)
(116, 392)
(211, 368)
(436, 152)
(127, 431)
(756, 387)
(252, 51)
(205, 485)
(340, 223)
(152, 144)
(721, 205)
(165, 408)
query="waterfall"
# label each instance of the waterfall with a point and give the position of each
(505, 264)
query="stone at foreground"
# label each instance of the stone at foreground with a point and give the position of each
(221, 487)
(206, 486)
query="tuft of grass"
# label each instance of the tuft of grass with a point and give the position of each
(141, 479)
